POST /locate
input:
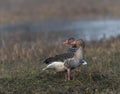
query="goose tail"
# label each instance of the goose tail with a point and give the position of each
(84, 62)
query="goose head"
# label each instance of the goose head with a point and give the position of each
(79, 43)
(69, 42)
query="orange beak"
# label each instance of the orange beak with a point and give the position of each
(65, 42)
(73, 43)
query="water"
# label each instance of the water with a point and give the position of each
(87, 29)
(97, 29)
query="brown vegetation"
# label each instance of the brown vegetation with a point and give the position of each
(21, 59)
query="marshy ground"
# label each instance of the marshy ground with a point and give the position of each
(21, 63)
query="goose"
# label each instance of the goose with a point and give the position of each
(61, 57)
(70, 63)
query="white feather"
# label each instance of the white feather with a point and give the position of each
(58, 66)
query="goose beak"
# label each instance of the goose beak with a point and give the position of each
(65, 42)
(73, 43)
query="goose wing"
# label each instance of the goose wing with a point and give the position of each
(60, 57)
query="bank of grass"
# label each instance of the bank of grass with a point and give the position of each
(21, 64)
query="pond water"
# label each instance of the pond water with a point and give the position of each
(88, 29)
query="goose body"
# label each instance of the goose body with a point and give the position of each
(75, 61)
(61, 57)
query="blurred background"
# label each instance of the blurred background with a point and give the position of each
(32, 30)
(89, 19)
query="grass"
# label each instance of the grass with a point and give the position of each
(21, 63)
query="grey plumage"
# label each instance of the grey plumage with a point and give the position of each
(61, 57)
(72, 63)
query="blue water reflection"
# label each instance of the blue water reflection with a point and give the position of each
(87, 29)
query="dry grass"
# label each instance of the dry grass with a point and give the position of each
(21, 62)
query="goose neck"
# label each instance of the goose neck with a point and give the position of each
(79, 53)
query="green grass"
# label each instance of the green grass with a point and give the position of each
(82, 82)
(85, 80)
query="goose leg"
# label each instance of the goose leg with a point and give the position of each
(68, 74)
